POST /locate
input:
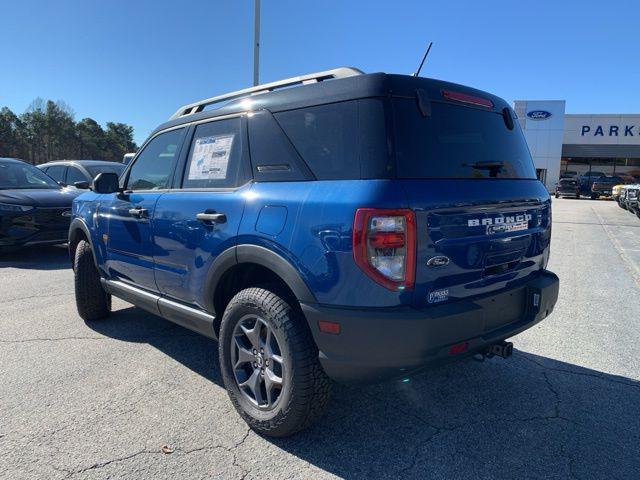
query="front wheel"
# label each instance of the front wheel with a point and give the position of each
(594, 196)
(270, 364)
(92, 302)
(557, 196)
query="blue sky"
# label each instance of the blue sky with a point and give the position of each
(137, 61)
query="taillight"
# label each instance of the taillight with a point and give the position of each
(384, 246)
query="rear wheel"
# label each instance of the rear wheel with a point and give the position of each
(92, 302)
(594, 196)
(557, 196)
(270, 364)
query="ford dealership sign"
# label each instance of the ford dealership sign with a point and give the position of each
(538, 114)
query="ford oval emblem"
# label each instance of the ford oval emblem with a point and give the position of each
(538, 114)
(439, 261)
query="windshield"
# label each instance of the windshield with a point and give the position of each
(116, 168)
(458, 142)
(23, 176)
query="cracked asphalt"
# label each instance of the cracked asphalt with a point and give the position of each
(99, 400)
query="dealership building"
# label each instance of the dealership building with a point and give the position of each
(576, 144)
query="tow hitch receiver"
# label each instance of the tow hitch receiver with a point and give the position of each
(502, 349)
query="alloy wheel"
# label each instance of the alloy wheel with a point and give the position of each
(257, 363)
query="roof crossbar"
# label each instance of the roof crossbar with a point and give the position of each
(196, 107)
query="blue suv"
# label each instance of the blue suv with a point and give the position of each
(335, 226)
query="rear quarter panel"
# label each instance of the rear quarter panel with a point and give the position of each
(315, 235)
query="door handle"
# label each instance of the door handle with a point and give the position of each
(210, 218)
(139, 212)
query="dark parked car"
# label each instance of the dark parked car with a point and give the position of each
(34, 209)
(568, 187)
(586, 181)
(79, 173)
(603, 186)
(378, 224)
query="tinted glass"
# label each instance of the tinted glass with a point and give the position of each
(215, 155)
(458, 142)
(57, 172)
(154, 167)
(568, 182)
(23, 176)
(75, 175)
(116, 168)
(326, 138)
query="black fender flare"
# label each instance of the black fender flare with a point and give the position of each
(79, 224)
(262, 256)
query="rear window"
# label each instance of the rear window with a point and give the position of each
(568, 182)
(458, 142)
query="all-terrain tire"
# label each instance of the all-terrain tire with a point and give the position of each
(306, 388)
(92, 302)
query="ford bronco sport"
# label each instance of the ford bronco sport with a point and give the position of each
(340, 225)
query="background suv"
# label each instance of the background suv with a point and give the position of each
(355, 228)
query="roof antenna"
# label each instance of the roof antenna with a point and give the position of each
(424, 57)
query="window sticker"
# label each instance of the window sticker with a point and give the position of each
(210, 157)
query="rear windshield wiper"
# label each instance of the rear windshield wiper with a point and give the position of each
(494, 167)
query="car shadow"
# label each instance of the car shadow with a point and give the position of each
(42, 257)
(525, 417)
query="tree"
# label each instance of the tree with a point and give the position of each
(119, 139)
(10, 141)
(91, 139)
(47, 131)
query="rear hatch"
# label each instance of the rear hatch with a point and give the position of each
(483, 219)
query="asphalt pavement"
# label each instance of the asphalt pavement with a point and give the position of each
(99, 400)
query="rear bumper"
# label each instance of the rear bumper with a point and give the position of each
(601, 192)
(378, 344)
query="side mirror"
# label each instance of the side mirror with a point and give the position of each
(106, 182)
(82, 185)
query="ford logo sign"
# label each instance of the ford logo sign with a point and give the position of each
(538, 114)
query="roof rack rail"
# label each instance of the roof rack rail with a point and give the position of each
(196, 107)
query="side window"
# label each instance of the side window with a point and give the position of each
(75, 175)
(57, 172)
(154, 166)
(215, 156)
(326, 137)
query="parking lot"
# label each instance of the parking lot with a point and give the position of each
(99, 400)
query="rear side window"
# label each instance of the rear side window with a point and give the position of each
(215, 155)
(56, 172)
(74, 175)
(340, 141)
(458, 142)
